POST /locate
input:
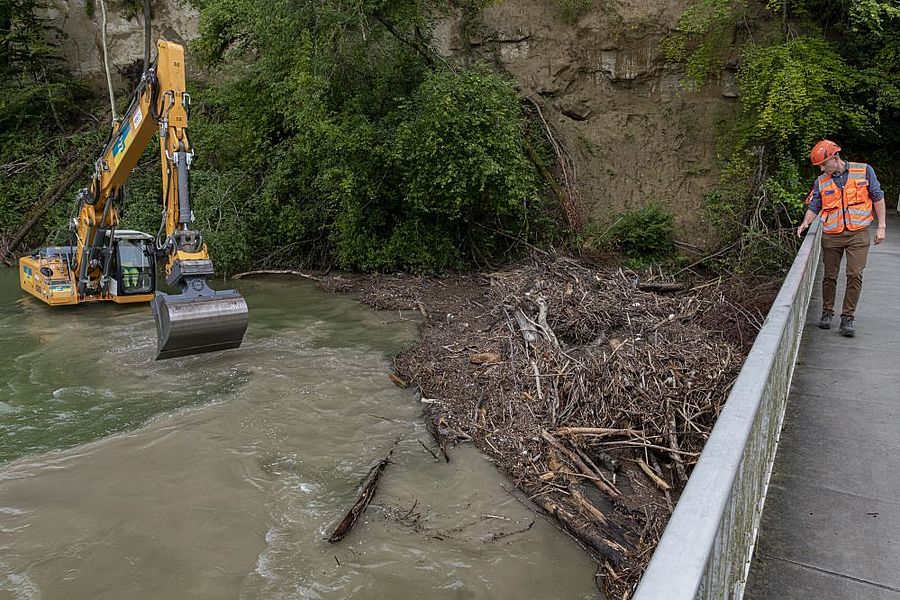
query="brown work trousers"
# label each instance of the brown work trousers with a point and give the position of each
(856, 246)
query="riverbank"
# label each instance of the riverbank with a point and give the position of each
(592, 390)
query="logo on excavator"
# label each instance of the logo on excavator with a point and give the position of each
(119, 146)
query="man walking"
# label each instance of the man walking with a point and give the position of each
(848, 196)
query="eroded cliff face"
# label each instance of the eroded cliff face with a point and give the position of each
(82, 48)
(636, 134)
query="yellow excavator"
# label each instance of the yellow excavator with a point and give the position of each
(108, 264)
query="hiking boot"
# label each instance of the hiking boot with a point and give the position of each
(848, 329)
(825, 321)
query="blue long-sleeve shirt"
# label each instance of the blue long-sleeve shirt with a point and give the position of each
(840, 179)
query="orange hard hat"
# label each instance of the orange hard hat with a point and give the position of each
(823, 151)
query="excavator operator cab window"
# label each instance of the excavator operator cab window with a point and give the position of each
(137, 267)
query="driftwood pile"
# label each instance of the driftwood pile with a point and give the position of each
(594, 396)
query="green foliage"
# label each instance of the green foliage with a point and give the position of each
(460, 161)
(33, 86)
(363, 149)
(571, 10)
(38, 102)
(646, 234)
(702, 38)
(141, 206)
(795, 93)
(873, 16)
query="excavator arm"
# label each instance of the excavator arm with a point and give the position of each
(199, 319)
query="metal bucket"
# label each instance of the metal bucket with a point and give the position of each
(192, 324)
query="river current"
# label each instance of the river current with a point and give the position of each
(218, 476)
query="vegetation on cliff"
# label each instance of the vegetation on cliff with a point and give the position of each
(806, 69)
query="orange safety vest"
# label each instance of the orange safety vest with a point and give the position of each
(850, 208)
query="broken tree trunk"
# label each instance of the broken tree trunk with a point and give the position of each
(661, 287)
(51, 196)
(276, 272)
(613, 551)
(363, 497)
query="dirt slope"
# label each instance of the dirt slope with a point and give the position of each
(636, 133)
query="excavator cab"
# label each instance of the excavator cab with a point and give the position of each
(134, 267)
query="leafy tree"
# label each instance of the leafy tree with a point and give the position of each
(460, 174)
(38, 104)
(795, 93)
(365, 146)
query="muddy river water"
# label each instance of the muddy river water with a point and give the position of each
(217, 476)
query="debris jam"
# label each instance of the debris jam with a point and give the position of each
(593, 391)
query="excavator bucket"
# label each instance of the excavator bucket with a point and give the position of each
(192, 324)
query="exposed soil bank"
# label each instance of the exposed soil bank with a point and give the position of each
(593, 395)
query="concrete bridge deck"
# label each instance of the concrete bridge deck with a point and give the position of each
(830, 527)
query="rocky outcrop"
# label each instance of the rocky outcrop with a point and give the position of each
(637, 133)
(173, 20)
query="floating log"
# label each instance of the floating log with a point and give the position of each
(363, 497)
(430, 451)
(276, 272)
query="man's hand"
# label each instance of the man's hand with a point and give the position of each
(803, 227)
(879, 235)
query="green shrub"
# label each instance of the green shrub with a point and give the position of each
(571, 10)
(702, 37)
(646, 234)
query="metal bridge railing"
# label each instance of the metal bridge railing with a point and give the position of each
(706, 548)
